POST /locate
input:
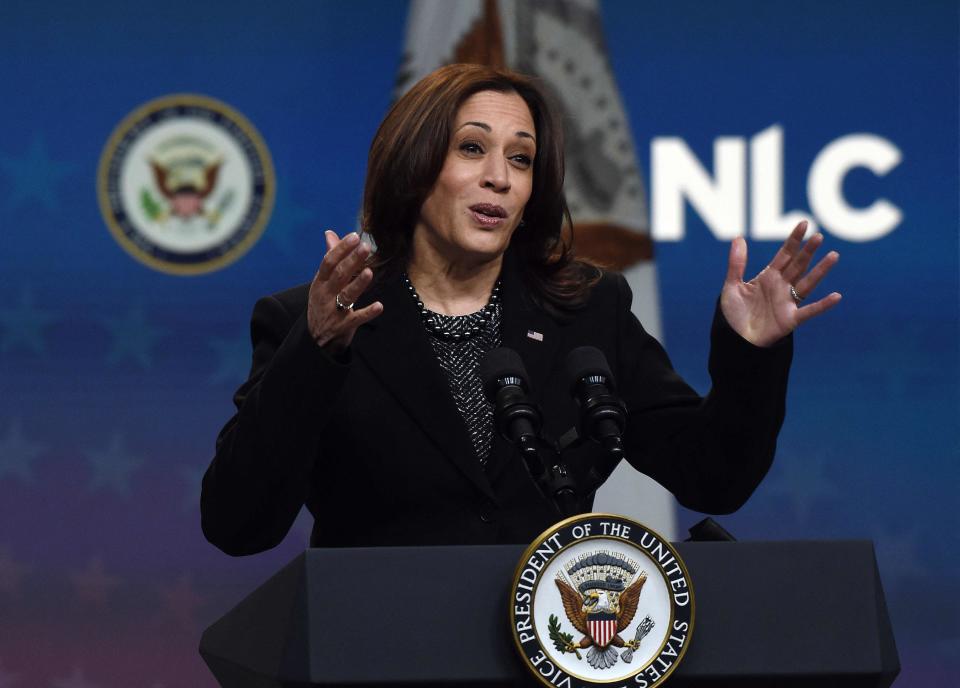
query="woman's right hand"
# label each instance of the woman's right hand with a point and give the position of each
(342, 273)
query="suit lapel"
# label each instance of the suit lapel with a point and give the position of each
(396, 348)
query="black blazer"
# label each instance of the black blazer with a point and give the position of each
(376, 449)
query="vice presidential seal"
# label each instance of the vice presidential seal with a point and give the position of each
(599, 599)
(186, 184)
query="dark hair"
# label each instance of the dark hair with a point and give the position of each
(408, 152)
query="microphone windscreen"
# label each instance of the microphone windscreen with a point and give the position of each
(584, 361)
(498, 364)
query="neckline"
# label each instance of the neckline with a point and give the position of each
(432, 321)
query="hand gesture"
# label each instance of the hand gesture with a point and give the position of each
(340, 281)
(767, 307)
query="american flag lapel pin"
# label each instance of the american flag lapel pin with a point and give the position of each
(535, 336)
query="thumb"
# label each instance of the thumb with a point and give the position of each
(737, 262)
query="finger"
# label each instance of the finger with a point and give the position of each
(332, 239)
(810, 281)
(737, 261)
(814, 309)
(340, 249)
(365, 314)
(789, 247)
(346, 270)
(359, 284)
(798, 265)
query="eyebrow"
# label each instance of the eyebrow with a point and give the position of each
(486, 128)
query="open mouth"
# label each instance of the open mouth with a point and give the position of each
(488, 215)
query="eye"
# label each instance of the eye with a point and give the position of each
(522, 160)
(471, 148)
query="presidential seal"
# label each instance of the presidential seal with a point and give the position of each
(599, 599)
(186, 184)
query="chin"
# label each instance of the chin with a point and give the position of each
(489, 246)
(491, 242)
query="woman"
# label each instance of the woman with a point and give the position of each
(363, 401)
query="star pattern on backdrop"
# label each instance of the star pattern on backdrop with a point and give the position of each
(802, 482)
(112, 467)
(34, 176)
(17, 453)
(286, 218)
(77, 679)
(12, 573)
(233, 361)
(93, 583)
(133, 337)
(22, 326)
(83, 592)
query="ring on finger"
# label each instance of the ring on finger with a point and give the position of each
(341, 306)
(795, 295)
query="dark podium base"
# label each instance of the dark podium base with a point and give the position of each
(784, 614)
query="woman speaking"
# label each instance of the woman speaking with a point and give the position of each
(364, 401)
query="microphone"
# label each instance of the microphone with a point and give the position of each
(603, 416)
(519, 420)
(516, 417)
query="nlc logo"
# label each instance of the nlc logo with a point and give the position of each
(721, 200)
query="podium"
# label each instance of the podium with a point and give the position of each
(784, 614)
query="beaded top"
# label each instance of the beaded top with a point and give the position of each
(459, 343)
(435, 322)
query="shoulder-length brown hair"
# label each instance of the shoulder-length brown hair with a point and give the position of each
(408, 152)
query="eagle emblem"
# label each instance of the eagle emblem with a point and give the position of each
(185, 171)
(623, 588)
(185, 184)
(600, 593)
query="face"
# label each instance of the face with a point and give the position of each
(477, 201)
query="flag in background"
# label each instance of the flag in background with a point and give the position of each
(561, 42)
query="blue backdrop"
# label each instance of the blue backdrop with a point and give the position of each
(116, 377)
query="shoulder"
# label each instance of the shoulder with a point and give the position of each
(611, 285)
(607, 303)
(292, 301)
(575, 291)
(294, 298)
(276, 314)
(611, 291)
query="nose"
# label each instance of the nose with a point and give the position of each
(496, 174)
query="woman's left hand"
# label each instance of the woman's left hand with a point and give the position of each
(764, 310)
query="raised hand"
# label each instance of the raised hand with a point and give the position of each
(765, 309)
(340, 281)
